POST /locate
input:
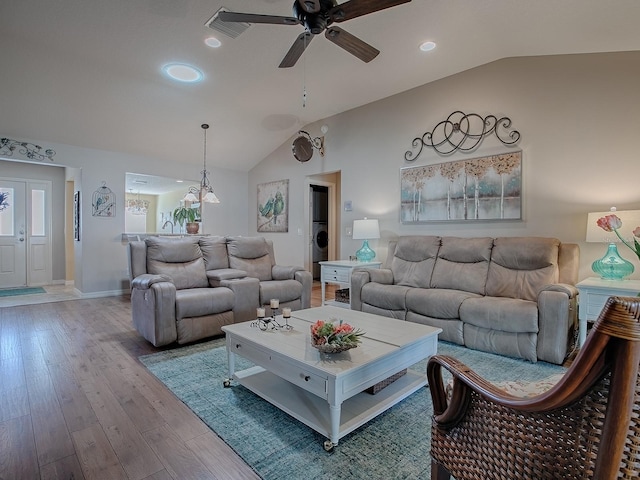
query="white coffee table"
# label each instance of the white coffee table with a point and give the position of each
(326, 392)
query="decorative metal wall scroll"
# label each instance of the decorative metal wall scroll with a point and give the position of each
(485, 188)
(104, 202)
(462, 131)
(29, 150)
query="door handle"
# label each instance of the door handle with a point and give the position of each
(21, 239)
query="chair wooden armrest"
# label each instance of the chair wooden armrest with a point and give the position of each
(586, 426)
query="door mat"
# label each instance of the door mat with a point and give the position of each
(9, 292)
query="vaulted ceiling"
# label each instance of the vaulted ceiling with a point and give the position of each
(89, 72)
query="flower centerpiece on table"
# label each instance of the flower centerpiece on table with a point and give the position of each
(328, 337)
(611, 223)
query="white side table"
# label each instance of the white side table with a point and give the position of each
(594, 292)
(339, 272)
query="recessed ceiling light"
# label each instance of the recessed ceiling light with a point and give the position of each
(427, 46)
(212, 42)
(183, 73)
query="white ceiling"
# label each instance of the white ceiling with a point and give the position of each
(88, 72)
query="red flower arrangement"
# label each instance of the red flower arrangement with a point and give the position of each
(330, 338)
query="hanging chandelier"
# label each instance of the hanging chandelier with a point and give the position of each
(205, 192)
(136, 206)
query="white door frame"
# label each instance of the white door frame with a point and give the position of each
(308, 220)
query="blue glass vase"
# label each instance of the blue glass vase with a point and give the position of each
(365, 254)
(612, 266)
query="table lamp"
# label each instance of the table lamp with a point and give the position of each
(612, 266)
(366, 230)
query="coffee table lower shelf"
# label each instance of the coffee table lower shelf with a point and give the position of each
(313, 411)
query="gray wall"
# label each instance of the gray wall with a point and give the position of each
(578, 116)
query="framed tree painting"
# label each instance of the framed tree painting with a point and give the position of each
(273, 206)
(484, 188)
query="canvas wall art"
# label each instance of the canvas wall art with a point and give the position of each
(484, 188)
(273, 206)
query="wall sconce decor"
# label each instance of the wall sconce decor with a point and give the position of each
(462, 131)
(204, 193)
(302, 147)
(29, 150)
(104, 202)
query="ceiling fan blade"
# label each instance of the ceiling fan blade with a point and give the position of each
(357, 8)
(254, 18)
(310, 6)
(296, 50)
(352, 44)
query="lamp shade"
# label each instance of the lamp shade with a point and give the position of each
(630, 220)
(366, 229)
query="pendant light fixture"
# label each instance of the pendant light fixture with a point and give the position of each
(205, 192)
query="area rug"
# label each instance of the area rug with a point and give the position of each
(394, 445)
(9, 292)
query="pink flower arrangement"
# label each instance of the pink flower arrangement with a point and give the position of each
(611, 223)
(342, 334)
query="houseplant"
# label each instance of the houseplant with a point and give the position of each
(182, 215)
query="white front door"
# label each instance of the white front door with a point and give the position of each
(13, 244)
(25, 233)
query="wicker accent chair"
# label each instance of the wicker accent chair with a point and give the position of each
(585, 427)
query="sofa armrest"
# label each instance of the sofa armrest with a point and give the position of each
(144, 281)
(247, 297)
(557, 317)
(306, 279)
(153, 308)
(284, 272)
(360, 276)
(216, 277)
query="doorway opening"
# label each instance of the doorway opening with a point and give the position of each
(322, 220)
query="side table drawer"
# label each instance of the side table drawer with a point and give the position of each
(595, 304)
(341, 275)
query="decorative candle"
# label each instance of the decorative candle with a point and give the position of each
(286, 312)
(260, 312)
(275, 303)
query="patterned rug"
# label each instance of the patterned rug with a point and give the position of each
(394, 445)
(9, 292)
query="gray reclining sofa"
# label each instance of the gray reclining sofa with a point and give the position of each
(514, 296)
(185, 289)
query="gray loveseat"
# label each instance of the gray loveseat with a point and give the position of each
(514, 296)
(185, 289)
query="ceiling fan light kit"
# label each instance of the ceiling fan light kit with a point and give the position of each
(317, 16)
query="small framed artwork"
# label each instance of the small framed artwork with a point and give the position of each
(273, 206)
(76, 216)
(484, 188)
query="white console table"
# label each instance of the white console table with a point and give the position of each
(339, 272)
(594, 293)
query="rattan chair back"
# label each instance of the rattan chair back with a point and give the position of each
(586, 427)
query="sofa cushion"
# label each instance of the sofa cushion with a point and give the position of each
(283, 290)
(196, 302)
(500, 313)
(214, 252)
(389, 297)
(179, 258)
(521, 266)
(462, 264)
(438, 303)
(413, 260)
(250, 254)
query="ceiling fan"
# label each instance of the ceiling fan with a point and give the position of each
(317, 16)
